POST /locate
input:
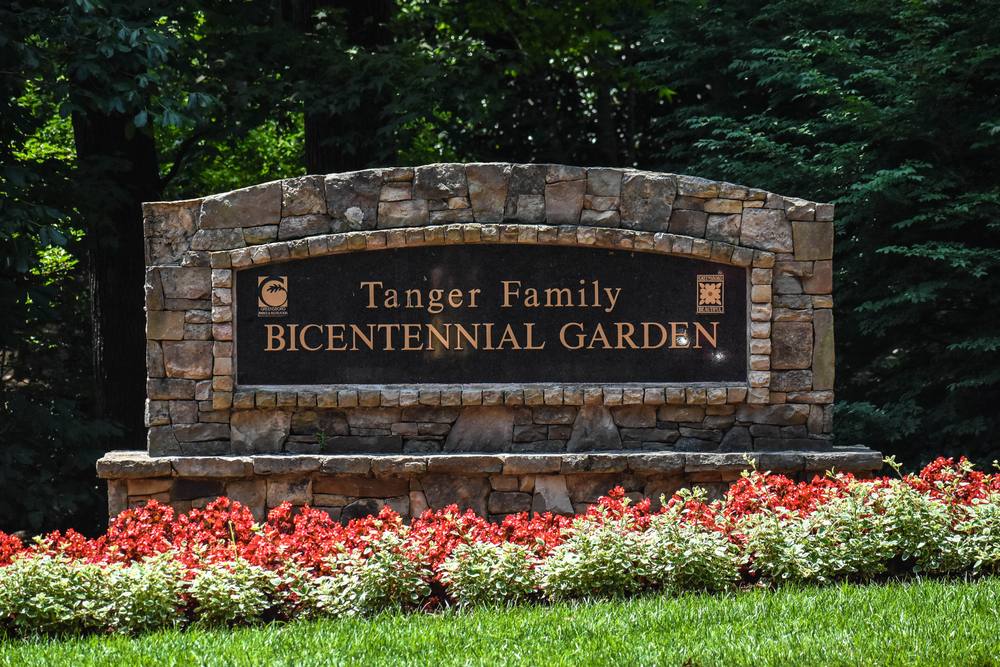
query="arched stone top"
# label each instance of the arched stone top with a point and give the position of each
(439, 195)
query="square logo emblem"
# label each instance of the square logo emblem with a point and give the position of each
(711, 294)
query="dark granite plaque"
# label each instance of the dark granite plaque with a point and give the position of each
(494, 314)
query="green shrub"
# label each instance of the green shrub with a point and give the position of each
(483, 573)
(233, 592)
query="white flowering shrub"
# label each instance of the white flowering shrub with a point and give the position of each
(483, 573)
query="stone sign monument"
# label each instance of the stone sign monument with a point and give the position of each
(504, 337)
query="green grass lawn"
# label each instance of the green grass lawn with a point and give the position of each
(914, 623)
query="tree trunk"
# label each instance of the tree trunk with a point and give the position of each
(129, 167)
(367, 27)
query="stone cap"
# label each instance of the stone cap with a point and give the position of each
(135, 464)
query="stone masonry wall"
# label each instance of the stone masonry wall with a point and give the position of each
(195, 249)
(493, 486)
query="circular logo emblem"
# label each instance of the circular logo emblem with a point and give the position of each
(273, 293)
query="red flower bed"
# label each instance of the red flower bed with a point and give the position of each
(225, 530)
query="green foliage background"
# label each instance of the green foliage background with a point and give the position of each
(889, 109)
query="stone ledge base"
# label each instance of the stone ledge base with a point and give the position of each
(492, 485)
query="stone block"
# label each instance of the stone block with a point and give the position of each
(564, 202)
(131, 464)
(373, 417)
(823, 357)
(301, 226)
(607, 463)
(411, 213)
(813, 240)
(466, 492)
(487, 185)
(656, 463)
(364, 487)
(688, 444)
(594, 429)
(528, 464)
(634, 416)
(189, 360)
(259, 431)
(780, 415)
(860, 459)
(248, 492)
(186, 488)
(548, 414)
(647, 201)
(218, 239)
(551, 495)
(401, 466)
(352, 198)
(296, 492)
(363, 444)
(280, 465)
(248, 207)
(164, 325)
(440, 181)
(430, 414)
(736, 439)
(465, 464)
(821, 280)
(633, 435)
(326, 421)
(688, 223)
(201, 432)
(792, 345)
(680, 413)
(168, 229)
(785, 381)
(501, 502)
(588, 488)
(503, 483)
(723, 228)
(346, 465)
(530, 433)
(589, 218)
(766, 229)
(302, 196)
(212, 466)
(694, 186)
(482, 429)
(604, 182)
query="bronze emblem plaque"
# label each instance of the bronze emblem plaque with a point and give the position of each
(493, 314)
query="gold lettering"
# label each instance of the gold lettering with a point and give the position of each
(455, 294)
(614, 299)
(599, 331)
(529, 346)
(698, 329)
(368, 340)
(371, 293)
(508, 337)
(583, 294)
(645, 335)
(460, 332)
(489, 336)
(410, 292)
(302, 337)
(435, 306)
(531, 297)
(433, 333)
(275, 332)
(625, 337)
(408, 336)
(330, 337)
(388, 334)
(507, 293)
(291, 338)
(559, 294)
(472, 297)
(391, 300)
(676, 335)
(579, 337)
